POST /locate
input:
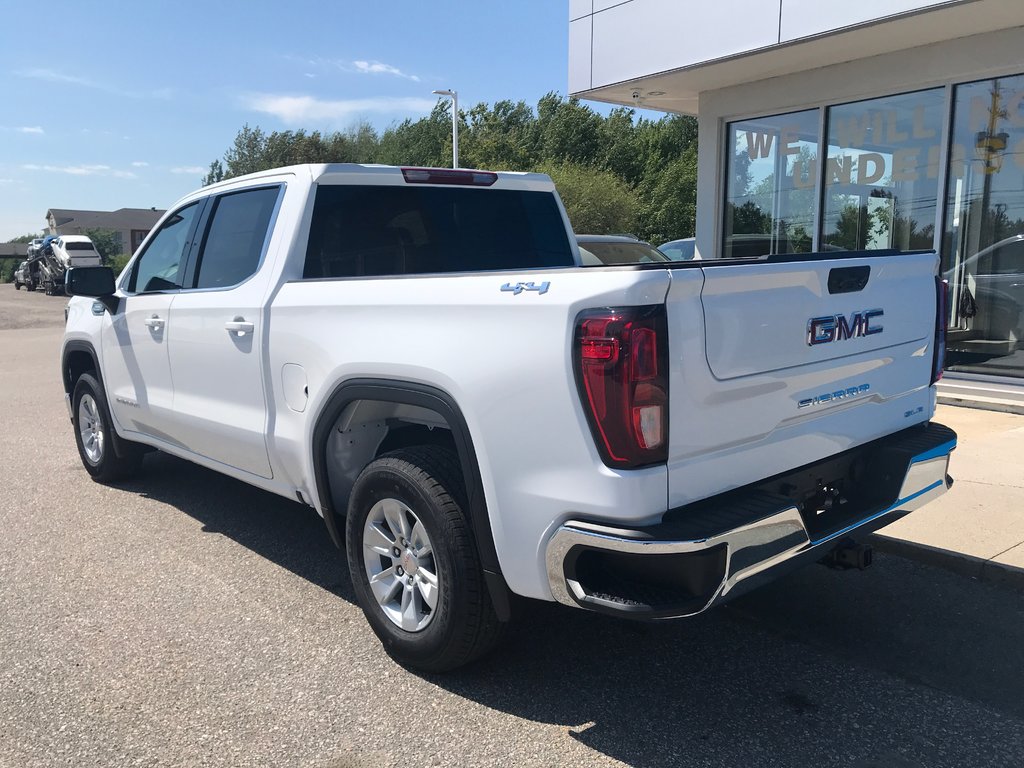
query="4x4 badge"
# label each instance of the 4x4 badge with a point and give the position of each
(517, 288)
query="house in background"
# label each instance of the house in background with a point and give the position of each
(131, 224)
(878, 124)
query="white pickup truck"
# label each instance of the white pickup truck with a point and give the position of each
(420, 355)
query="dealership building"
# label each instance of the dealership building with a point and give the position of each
(880, 124)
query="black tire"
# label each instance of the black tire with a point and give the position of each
(30, 286)
(463, 625)
(108, 458)
(17, 285)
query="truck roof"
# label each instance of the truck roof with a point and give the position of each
(372, 174)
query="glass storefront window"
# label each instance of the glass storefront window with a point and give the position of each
(983, 242)
(771, 185)
(882, 172)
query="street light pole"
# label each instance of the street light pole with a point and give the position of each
(454, 96)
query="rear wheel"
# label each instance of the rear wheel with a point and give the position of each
(17, 285)
(413, 560)
(104, 455)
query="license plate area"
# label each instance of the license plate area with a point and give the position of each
(838, 492)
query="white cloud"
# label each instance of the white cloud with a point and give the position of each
(6, 181)
(189, 169)
(53, 76)
(30, 129)
(56, 76)
(81, 170)
(304, 109)
(360, 66)
(140, 164)
(380, 68)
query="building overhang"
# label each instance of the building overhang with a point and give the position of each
(678, 90)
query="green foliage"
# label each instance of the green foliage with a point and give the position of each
(107, 241)
(615, 173)
(118, 262)
(598, 202)
(25, 238)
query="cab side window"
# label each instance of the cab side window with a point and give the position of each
(159, 268)
(234, 239)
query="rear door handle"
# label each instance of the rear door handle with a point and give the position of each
(155, 322)
(239, 326)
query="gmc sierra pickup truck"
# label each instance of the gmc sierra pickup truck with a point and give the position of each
(421, 356)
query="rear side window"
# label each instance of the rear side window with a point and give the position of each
(233, 244)
(360, 231)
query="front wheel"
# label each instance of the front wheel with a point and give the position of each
(17, 285)
(95, 437)
(413, 560)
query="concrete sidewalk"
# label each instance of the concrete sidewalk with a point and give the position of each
(977, 528)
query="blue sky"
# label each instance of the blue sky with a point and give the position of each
(124, 104)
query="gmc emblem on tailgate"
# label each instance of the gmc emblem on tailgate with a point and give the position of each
(822, 330)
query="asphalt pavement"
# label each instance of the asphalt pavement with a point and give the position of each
(187, 619)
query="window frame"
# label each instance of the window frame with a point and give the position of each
(726, 120)
(154, 233)
(202, 231)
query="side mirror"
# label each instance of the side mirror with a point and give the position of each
(97, 282)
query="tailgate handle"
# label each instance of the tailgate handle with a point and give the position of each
(848, 279)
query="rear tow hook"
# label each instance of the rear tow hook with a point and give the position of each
(848, 554)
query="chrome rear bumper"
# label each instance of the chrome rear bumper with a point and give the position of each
(708, 568)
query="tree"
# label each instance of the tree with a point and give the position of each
(598, 202)
(615, 173)
(215, 174)
(107, 242)
(670, 201)
(247, 154)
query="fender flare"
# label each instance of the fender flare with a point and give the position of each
(439, 401)
(76, 345)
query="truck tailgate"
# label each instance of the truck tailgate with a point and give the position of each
(777, 365)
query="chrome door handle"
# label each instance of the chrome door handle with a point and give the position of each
(239, 326)
(155, 322)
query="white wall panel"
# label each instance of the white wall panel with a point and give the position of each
(578, 8)
(600, 5)
(579, 54)
(648, 36)
(803, 18)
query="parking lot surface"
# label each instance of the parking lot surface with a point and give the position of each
(188, 619)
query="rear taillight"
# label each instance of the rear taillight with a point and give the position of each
(941, 320)
(621, 363)
(449, 176)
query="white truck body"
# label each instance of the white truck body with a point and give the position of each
(249, 379)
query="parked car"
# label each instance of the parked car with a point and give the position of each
(606, 250)
(418, 355)
(996, 274)
(680, 250)
(23, 277)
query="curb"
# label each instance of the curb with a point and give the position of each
(957, 562)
